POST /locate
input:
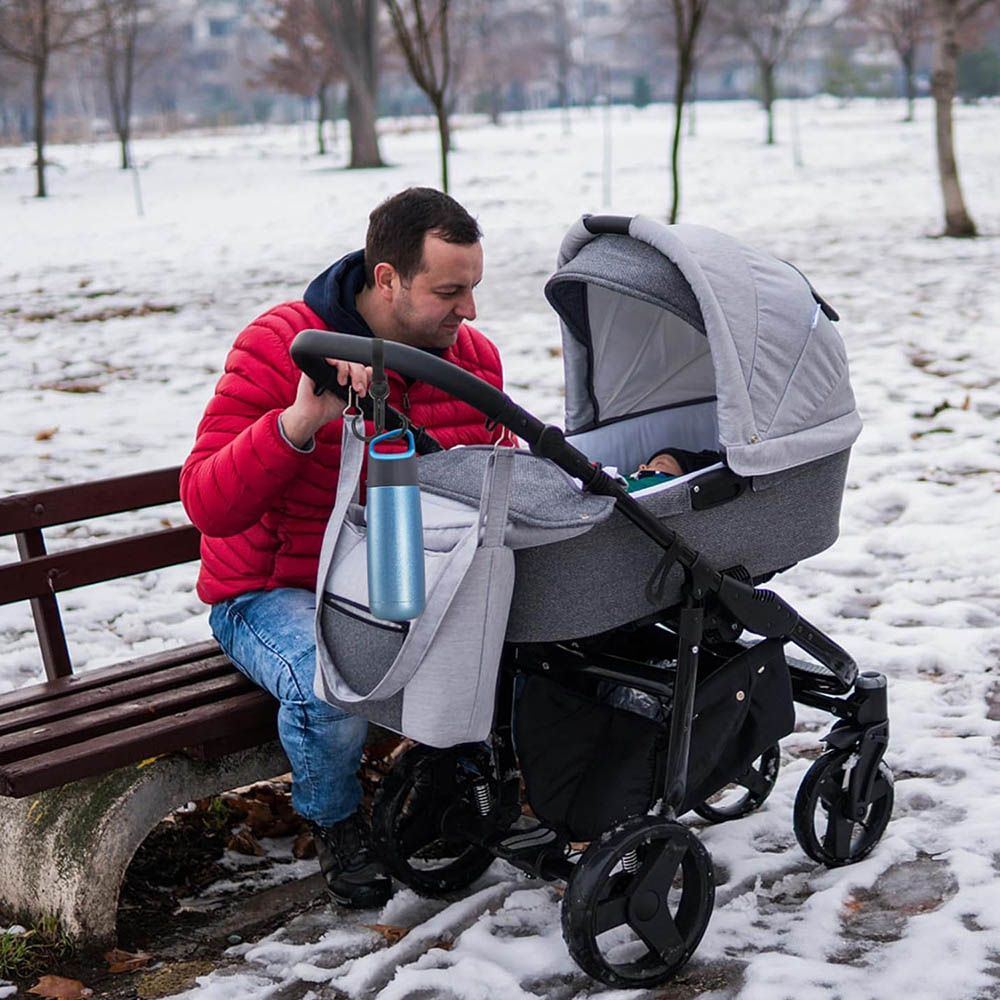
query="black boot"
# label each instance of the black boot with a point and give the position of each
(354, 877)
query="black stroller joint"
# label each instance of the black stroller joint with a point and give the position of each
(646, 673)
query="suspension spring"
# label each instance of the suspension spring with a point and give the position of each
(630, 862)
(484, 796)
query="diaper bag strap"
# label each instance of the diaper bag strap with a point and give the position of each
(352, 454)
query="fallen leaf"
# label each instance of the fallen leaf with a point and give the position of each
(126, 961)
(853, 905)
(391, 932)
(46, 434)
(57, 988)
(242, 841)
(304, 846)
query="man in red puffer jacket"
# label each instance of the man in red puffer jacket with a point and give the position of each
(261, 478)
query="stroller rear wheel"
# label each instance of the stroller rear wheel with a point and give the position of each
(425, 788)
(638, 902)
(822, 827)
(758, 782)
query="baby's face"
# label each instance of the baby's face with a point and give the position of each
(662, 463)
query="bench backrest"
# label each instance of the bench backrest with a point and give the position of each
(39, 576)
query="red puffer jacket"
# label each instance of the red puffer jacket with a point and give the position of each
(261, 505)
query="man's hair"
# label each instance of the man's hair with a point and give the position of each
(396, 230)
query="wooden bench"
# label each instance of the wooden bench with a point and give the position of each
(90, 762)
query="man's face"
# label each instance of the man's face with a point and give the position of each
(428, 309)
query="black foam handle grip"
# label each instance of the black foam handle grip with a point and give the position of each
(310, 348)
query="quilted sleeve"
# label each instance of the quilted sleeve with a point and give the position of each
(492, 372)
(240, 463)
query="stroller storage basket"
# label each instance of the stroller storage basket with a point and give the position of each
(588, 765)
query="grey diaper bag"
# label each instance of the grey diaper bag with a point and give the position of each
(432, 679)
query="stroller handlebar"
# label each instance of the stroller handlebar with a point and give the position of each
(310, 348)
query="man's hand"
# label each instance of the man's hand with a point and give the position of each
(310, 412)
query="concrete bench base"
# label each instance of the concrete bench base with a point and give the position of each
(64, 852)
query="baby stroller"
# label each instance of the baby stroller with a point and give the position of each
(643, 671)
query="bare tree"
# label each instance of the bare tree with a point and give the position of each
(423, 35)
(562, 41)
(947, 18)
(487, 26)
(904, 24)
(310, 61)
(353, 25)
(121, 24)
(34, 32)
(689, 16)
(769, 29)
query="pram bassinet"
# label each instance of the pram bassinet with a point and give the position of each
(682, 336)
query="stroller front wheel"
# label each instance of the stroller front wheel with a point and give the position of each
(822, 827)
(638, 902)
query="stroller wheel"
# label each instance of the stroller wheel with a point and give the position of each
(638, 902)
(822, 829)
(747, 793)
(408, 814)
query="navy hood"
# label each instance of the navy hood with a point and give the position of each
(331, 295)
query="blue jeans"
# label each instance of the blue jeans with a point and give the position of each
(269, 635)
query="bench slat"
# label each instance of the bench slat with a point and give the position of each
(96, 563)
(65, 504)
(35, 694)
(107, 696)
(247, 713)
(119, 718)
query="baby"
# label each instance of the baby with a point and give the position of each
(668, 463)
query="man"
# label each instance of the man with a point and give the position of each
(261, 478)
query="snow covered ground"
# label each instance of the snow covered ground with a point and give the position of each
(115, 326)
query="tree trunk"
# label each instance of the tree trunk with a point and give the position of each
(957, 221)
(364, 138)
(767, 97)
(322, 113)
(692, 104)
(680, 92)
(495, 103)
(41, 72)
(444, 132)
(909, 83)
(123, 137)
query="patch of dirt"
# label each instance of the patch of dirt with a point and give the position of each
(123, 312)
(181, 857)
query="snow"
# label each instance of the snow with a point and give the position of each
(141, 311)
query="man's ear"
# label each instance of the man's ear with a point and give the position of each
(385, 280)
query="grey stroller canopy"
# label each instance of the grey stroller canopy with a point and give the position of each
(701, 342)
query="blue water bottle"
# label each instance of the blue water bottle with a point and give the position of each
(395, 532)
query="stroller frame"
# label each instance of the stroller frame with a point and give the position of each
(476, 791)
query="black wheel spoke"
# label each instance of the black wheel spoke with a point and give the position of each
(610, 914)
(660, 868)
(416, 832)
(754, 782)
(837, 839)
(660, 933)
